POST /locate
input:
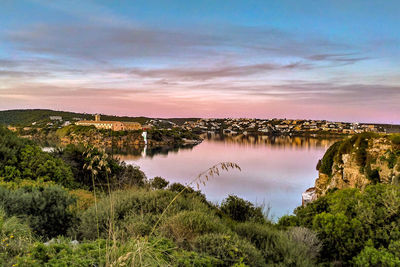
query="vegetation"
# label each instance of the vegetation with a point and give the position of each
(24, 117)
(78, 206)
(355, 227)
(357, 145)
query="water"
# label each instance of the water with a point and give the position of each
(275, 171)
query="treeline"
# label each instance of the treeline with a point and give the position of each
(80, 207)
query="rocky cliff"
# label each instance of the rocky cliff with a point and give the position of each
(356, 162)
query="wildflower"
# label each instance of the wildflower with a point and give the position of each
(11, 236)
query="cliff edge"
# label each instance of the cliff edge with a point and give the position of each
(356, 162)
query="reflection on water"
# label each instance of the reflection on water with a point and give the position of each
(137, 152)
(294, 142)
(275, 170)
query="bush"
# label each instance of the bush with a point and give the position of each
(371, 256)
(241, 210)
(15, 238)
(395, 139)
(297, 247)
(229, 249)
(346, 219)
(89, 162)
(21, 159)
(158, 183)
(327, 160)
(62, 252)
(47, 210)
(185, 226)
(135, 202)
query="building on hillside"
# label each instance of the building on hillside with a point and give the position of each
(132, 126)
(111, 125)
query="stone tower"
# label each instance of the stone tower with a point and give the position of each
(97, 117)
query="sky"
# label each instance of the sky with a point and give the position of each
(336, 60)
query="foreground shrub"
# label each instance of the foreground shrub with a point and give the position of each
(158, 183)
(371, 256)
(133, 203)
(298, 247)
(346, 219)
(15, 237)
(22, 159)
(230, 249)
(63, 252)
(185, 226)
(241, 210)
(45, 209)
(156, 252)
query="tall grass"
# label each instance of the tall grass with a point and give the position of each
(140, 250)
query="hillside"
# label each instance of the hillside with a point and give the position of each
(23, 117)
(358, 161)
(28, 116)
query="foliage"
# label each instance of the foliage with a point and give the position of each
(15, 237)
(28, 116)
(185, 226)
(45, 209)
(21, 159)
(348, 220)
(395, 139)
(297, 247)
(327, 160)
(88, 162)
(241, 210)
(356, 144)
(230, 249)
(133, 203)
(371, 256)
(63, 252)
(158, 183)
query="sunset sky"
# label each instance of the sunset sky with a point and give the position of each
(336, 60)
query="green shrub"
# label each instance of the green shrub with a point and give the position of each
(395, 139)
(328, 158)
(298, 247)
(143, 252)
(241, 210)
(345, 219)
(185, 226)
(371, 256)
(61, 252)
(21, 159)
(229, 249)
(89, 162)
(15, 238)
(45, 209)
(185, 258)
(158, 183)
(135, 202)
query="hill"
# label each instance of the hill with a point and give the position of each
(22, 117)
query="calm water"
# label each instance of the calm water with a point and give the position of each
(275, 171)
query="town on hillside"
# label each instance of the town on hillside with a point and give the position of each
(222, 126)
(281, 126)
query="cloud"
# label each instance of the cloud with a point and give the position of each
(109, 43)
(202, 74)
(342, 59)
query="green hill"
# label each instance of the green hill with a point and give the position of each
(22, 117)
(28, 116)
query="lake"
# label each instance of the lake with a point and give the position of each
(275, 171)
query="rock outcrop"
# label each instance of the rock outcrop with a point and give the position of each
(356, 162)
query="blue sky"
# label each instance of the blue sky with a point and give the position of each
(337, 60)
